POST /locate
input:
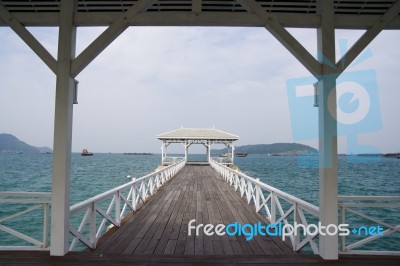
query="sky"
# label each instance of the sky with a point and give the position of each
(153, 80)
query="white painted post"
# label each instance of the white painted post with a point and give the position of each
(296, 220)
(328, 187)
(63, 132)
(45, 225)
(343, 221)
(162, 153)
(151, 186)
(233, 151)
(257, 201)
(134, 195)
(165, 152)
(209, 152)
(118, 207)
(186, 151)
(273, 208)
(92, 225)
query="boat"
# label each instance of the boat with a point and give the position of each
(85, 152)
(224, 155)
(241, 154)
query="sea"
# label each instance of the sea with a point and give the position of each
(296, 175)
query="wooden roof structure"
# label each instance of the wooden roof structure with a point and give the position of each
(200, 134)
(349, 14)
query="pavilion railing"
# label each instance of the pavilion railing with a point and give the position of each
(27, 206)
(172, 160)
(276, 205)
(118, 201)
(370, 210)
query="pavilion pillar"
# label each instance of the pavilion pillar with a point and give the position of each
(63, 132)
(328, 169)
(209, 152)
(186, 151)
(163, 148)
(232, 152)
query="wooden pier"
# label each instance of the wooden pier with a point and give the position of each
(197, 192)
(158, 232)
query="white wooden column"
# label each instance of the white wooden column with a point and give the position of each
(209, 152)
(233, 152)
(328, 181)
(162, 153)
(63, 132)
(186, 151)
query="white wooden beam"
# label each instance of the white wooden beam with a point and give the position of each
(108, 36)
(196, 6)
(60, 203)
(28, 38)
(368, 36)
(273, 25)
(328, 187)
(188, 18)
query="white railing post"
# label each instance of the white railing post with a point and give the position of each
(273, 208)
(257, 199)
(151, 186)
(342, 221)
(118, 208)
(92, 222)
(249, 193)
(158, 183)
(296, 220)
(45, 225)
(144, 190)
(133, 188)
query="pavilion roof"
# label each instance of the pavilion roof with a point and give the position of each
(197, 134)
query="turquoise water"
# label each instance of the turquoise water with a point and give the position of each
(295, 175)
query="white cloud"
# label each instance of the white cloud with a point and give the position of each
(152, 80)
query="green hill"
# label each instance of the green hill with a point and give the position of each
(274, 149)
(10, 144)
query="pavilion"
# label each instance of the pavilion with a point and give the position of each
(190, 136)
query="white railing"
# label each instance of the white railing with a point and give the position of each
(127, 197)
(31, 201)
(172, 160)
(267, 200)
(358, 206)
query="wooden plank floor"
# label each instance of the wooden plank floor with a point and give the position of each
(197, 192)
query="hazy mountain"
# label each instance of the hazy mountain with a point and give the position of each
(11, 144)
(274, 149)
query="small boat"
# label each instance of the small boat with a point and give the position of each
(85, 152)
(241, 154)
(224, 155)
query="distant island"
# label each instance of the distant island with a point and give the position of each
(137, 153)
(9, 144)
(275, 149)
